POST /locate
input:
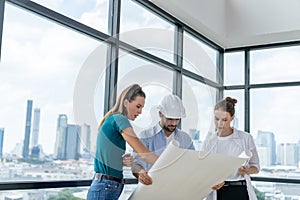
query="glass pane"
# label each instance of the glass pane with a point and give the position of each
(198, 57)
(45, 74)
(234, 68)
(274, 121)
(93, 13)
(198, 100)
(155, 80)
(239, 120)
(270, 190)
(147, 31)
(275, 65)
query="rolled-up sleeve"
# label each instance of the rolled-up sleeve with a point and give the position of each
(254, 160)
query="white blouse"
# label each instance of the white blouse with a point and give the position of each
(234, 145)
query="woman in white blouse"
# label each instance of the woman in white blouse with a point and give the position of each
(230, 141)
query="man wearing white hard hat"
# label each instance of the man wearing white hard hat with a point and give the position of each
(156, 138)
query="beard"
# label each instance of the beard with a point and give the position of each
(169, 128)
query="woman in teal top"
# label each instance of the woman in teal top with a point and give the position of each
(114, 131)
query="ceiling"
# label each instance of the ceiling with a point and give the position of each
(239, 23)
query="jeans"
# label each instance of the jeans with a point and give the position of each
(104, 190)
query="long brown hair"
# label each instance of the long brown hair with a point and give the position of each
(129, 93)
(227, 105)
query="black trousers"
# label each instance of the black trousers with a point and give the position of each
(238, 192)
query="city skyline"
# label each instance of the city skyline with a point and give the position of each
(81, 143)
(80, 139)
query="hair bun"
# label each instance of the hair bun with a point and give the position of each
(232, 100)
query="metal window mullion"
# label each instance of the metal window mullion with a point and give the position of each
(29, 185)
(247, 90)
(220, 74)
(111, 76)
(178, 58)
(147, 56)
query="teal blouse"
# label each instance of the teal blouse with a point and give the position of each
(111, 146)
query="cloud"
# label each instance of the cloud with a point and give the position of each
(276, 65)
(53, 4)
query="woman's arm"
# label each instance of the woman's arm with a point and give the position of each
(253, 166)
(129, 135)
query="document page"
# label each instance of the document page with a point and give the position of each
(186, 174)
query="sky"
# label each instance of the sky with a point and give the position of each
(63, 73)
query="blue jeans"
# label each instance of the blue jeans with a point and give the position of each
(104, 190)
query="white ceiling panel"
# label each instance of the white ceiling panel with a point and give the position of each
(238, 23)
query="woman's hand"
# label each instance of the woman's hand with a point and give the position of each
(218, 186)
(127, 160)
(251, 170)
(243, 170)
(144, 177)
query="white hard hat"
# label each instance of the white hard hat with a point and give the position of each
(171, 107)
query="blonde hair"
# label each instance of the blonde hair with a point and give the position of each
(129, 93)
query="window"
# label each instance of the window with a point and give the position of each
(234, 68)
(274, 122)
(155, 80)
(198, 57)
(198, 100)
(38, 76)
(146, 30)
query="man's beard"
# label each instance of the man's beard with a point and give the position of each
(170, 128)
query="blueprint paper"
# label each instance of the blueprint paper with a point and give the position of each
(186, 174)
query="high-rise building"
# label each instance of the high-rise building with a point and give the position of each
(287, 154)
(67, 144)
(61, 134)
(85, 139)
(1, 141)
(35, 128)
(264, 156)
(267, 139)
(25, 152)
(72, 143)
